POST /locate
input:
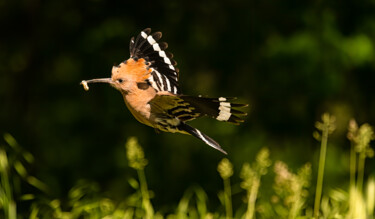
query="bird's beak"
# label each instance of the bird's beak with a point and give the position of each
(98, 80)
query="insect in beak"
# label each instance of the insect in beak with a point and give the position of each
(98, 80)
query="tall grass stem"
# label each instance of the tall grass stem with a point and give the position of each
(361, 170)
(146, 203)
(353, 164)
(319, 183)
(228, 199)
(252, 198)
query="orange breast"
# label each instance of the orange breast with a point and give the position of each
(137, 103)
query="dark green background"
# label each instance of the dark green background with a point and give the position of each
(290, 60)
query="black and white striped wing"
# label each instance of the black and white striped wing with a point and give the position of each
(167, 106)
(186, 108)
(164, 75)
(170, 114)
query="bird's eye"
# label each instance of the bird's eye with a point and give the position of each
(120, 80)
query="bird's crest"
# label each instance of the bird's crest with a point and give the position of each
(136, 70)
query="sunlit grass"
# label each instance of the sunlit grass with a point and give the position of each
(251, 176)
(225, 169)
(137, 161)
(288, 197)
(291, 190)
(360, 139)
(326, 127)
(7, 202)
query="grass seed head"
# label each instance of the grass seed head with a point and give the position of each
(135, 154)
(225, 168)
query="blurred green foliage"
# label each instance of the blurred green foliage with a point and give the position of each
(288, 199)
(290, 60)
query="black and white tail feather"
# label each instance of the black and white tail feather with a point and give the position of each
(171, 112)
(198, 134)
(221, 109)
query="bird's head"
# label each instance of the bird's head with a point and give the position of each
(126, 76)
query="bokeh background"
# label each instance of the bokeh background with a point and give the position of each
(290, 60)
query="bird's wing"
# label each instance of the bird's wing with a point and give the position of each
(172, 111)
(168, 106)
(187, 108)
(164, 74)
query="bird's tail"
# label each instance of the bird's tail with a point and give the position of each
(222, 108)
(198, 134)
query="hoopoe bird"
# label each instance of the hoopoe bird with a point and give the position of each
(148, 81)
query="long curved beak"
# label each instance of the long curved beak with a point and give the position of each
(97, 80)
